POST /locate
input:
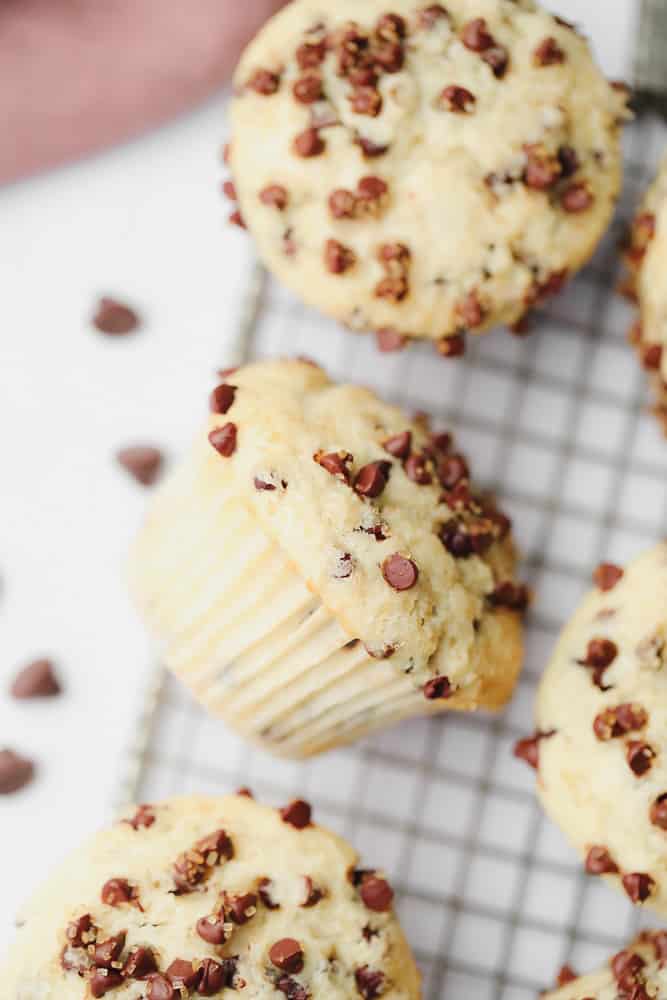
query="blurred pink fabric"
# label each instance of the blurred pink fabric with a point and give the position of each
(79, 75)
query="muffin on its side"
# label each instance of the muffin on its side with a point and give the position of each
(601, 742)
(646, 257)
(421, 169)
(320, 566)
(205, 897)
(636, 973)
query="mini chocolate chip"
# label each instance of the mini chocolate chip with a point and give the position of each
(115, 318)
(658, 811)
(139, 964)
(264, 893)
(457, 99)
(542, 171)
(222, 398)
(263, 486)
(105, 953)
(183, 973)
(292, 989)
(337, 257)
(229, 190)
(143, 462)
(626, 966)
(428, 17)
(309, 143)
(577, 198)
(640, 757)
(104, 980)
(611, 723)
(81, 932)
(313, 895)
(437, 689)
(370, 149)
(15, 772)
(223, 439)
(118, 891)
(600, 653)
(566, 974)
(453, 346)
(400, 572)
(371, 189)
(366, 101)
(275, 196)
(638, 885)
(311, 54)
(497, 57)
(335, 463)
(548, 53)
(471, 311)
(308, 88)
(475, 35)
(417, 470)
(389, 340)
(515, 596)
(399, 445)
(600, 862)
(213, 929)
(36, 680)
(606, 576)
(287, 955)
(390, 27)
(143, 818)
(376, 893)
(159, 988)
(451, 470)
(237, 219)
(369, 982)
(241, 907)
(651, 356)
(212, 978)
(528, 749)
(264, 82)
(298, 814)
(372, 479)
(342, 204)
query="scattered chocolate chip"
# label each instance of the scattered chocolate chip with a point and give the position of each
(115, 318)
(372, 479)
(107, 952)
(264, 892)
(36, 680)
(400, 572)
(566, 974)
(457, 99)
(309, 55)
(638, 885)
(335, 463)
(117, 892)
(182, 973)
(15, 772)
(292, 989)
(214, 928)
(237, 219)
(451, 470)
(308, 88)
(376, 893)
(81, 932)
(366, 101)
(497, 57)
(640, 757)
(515, 596)
(438, 689)
(475, 35)
(142, 819)
(264, 82)
(548, 53)
(606, 576)
(342, 204)
(143, 462)
(213, 977)
(369, 982)
(139, 964)
(222, 398)
(263, 486)
(104, 980)
(399, 445)
(600, 654)
(658, 812)
(453, 346)
(223, 440)
(542, 170)
(651, 356)
(600, 862)
(229, 190)
(298, 814)
(159, 988)
(241, 907)
(626, 967)
(337, 257)
(380, 652)
(428, 17)
(309, 143)
(275, 196)
(370, 149)
(287, 955)
(529, 749)
(313, 894)
(577, 198)
(417, 469)
(471, 311)
(193, 866)
(389, 340)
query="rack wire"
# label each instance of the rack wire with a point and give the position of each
(492, 899)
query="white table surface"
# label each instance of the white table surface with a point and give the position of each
(145, 223)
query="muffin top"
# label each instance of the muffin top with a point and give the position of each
(602, 722)
(423, 169)
(377, 514)
(206, 897)
(647, 257)
(638, 973)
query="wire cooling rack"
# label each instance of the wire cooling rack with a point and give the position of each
(492, 899)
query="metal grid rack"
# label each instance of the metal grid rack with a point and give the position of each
(492, 899)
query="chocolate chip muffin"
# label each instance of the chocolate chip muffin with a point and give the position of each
(424, 169)
(601, 744)
(646, 257)
(206, 897)
(321, 566)
(636, 973)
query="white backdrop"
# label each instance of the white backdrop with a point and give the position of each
(145, 223)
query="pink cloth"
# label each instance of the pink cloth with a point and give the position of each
(78, 75)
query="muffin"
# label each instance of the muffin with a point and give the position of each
(601, 742)
(636, 973)
(646, 257)
(203, 897)
(320, 566)
(421, 170)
